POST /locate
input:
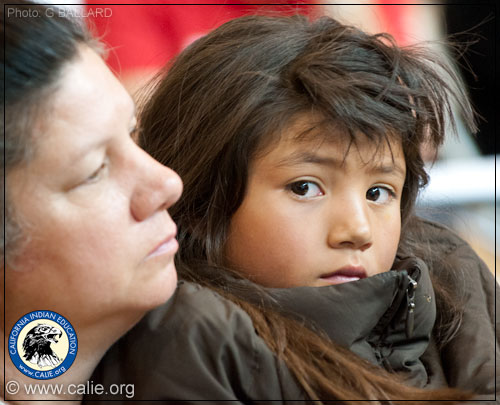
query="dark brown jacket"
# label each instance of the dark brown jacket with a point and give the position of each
(200, 346)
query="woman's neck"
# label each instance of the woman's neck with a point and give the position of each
(93, 342)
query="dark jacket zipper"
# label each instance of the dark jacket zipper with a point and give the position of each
(407, 287)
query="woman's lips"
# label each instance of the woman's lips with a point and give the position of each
(344, 275)
(168, 246)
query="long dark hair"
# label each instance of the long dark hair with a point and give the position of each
(232, 92)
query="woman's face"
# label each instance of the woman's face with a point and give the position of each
(100, 239)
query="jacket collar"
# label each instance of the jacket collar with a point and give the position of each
(382, 318)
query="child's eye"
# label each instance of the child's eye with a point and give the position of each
(305, 189)
(380, 194)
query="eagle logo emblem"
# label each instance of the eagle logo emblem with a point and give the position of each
(43, 344)
(37, 345)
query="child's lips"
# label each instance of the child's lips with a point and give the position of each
(344, 275)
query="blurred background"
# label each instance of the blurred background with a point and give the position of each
(462, 191)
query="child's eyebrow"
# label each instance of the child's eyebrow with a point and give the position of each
(388, 169)
(302, 157)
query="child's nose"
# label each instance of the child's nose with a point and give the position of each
(158, 188)
(350, 226)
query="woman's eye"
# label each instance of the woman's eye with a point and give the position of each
(380, 195)
(97, 174)
(305, 189)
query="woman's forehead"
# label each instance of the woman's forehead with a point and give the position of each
(88, 86)
(88, 105)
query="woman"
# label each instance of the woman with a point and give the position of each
(88, 237)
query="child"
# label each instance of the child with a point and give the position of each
(298, 143)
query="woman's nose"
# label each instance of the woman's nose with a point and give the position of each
(158, 188)
(350, 226)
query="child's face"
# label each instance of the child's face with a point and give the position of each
(308, 219)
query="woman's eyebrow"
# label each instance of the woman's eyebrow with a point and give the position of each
(98, 143)
(88, 148)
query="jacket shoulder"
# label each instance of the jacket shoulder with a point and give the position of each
(197, 346)
(455, 252)
(194, 306)
(476, 289)
(206, 347)
(441, 235)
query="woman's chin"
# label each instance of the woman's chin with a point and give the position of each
(161, 287)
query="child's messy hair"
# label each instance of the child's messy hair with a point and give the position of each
(234, 91)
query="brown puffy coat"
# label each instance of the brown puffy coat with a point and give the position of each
(200, 346)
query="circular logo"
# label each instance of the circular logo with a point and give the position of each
(43, 345)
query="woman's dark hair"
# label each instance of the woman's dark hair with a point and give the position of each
(232, 93)
(38, 44)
